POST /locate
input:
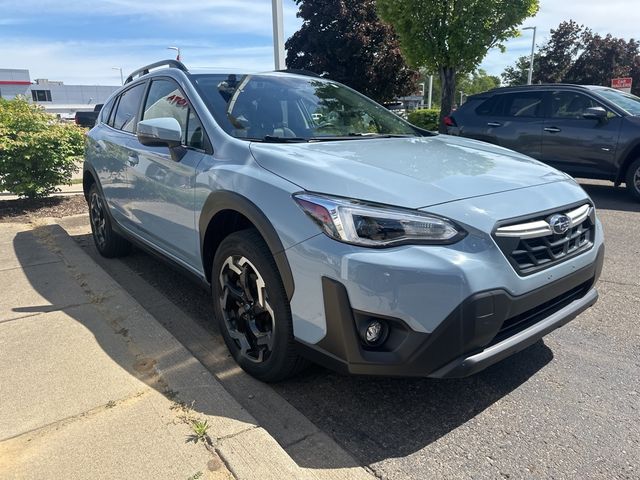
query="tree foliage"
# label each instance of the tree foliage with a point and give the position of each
(518, 74)
(37, 152)
(346, 41)
(452, 37)
(476, 82)
(575, 54)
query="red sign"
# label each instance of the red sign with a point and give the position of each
(622, 83)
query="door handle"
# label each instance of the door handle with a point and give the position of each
(494, 124)
(552, 129)
(133, 159)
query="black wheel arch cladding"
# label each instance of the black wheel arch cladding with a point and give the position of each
(223, 200)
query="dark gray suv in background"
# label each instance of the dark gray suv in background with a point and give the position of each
(586, 131)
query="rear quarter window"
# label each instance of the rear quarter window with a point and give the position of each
(106, 110)
(489, 106)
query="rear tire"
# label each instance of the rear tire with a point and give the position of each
(108, 242)
(252, 309)
(633, 179)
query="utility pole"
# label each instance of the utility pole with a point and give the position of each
(430, 92)
(533, 47)
(278, 35)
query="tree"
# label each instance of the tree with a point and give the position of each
(557, 55)
(346, 41)
(574, 54)
(518, 74)
(37, 153)
(478, 82)
(602, 59)
(452, 37)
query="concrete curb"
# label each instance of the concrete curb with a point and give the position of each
(246, 448)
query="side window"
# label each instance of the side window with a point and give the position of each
(106, 110)
(571, 105)
(195, 132)
(126, 114)
(165, 99)
(112, 113)
(490, 106)
(523, 104)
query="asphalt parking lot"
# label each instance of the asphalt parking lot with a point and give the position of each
(567, 407)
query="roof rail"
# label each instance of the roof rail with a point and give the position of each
(298, 71)
(162, 63)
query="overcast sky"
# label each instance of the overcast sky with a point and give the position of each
(79, 41)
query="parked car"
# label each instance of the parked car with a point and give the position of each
(350, 238)
(586, 131)
(88, 119)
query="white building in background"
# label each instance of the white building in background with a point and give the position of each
(55, 97)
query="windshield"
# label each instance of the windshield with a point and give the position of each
(272, 107)
(626, 101)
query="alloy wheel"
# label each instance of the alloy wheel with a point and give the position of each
(636, 179)
(248, 316)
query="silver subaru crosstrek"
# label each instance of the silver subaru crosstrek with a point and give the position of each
(329, 229)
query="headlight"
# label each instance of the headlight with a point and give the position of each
(359, 223)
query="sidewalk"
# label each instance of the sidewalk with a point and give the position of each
(92, 386)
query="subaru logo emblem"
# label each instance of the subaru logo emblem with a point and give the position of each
(559, 223)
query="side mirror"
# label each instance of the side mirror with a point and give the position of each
(159, 132)
(595, 113)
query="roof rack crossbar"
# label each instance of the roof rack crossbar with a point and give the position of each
(162, 63)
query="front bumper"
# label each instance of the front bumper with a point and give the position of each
(484, 329)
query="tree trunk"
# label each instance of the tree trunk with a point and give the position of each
(448, 97)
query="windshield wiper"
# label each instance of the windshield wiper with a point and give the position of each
(380, 135)
(275, 139)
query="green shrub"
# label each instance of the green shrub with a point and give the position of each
(37, 152)
(425, 118)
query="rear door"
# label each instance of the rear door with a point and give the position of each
(111, 154)
(163, 184)
(575, 144)
(511, 120)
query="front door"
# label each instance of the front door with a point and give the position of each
(164, 180)
(577, 145)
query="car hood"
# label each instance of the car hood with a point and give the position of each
(411, 172)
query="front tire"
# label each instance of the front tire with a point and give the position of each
(633, 179)
(252, 309)
(108, 242)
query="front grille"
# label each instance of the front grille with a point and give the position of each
(532, 245)
(517, 323)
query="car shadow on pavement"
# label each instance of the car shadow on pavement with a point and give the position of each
(52, 284)
(372, 418)
(608, 197)
(380, 418)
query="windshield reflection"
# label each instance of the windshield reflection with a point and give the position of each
(272, 107)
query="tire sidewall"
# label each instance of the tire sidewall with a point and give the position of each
(103, 249)
(632, 188)
(247, 245)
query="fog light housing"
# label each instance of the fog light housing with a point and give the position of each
(374, 332)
